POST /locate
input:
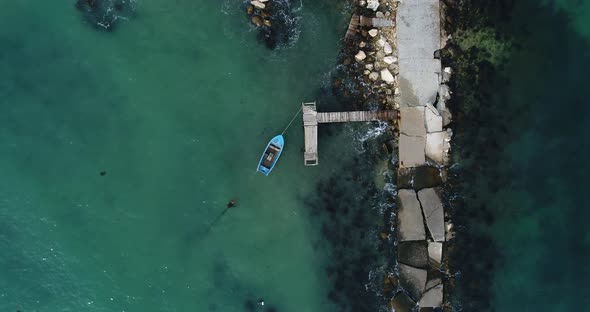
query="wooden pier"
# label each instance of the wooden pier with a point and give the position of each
(363, 21)
(311, 119)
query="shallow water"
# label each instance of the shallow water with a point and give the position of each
(175, 105)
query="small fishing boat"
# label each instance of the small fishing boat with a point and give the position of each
(271, 154)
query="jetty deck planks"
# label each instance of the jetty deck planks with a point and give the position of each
(311, 119)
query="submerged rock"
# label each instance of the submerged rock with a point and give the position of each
(256, 20)
(105, 14)
(419, 177)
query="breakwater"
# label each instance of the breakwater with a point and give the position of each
(396, 48)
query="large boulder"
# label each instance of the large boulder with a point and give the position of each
(258, 4)
(413, 253)
(435, 253)
(402, 303)
(387, 76)
(413, 280)
(434, 122)
(435, 146)
(360, 56)
(433, 212)
(372, 4)
(410, 221)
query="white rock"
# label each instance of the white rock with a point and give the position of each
(366, 72)
(374, 76)
(369, 66)
(372, 4)
(379, 15)
(258, 4)
(434, 122)
(387, 76)
(387, 48)
(435, 251)
(381, 42)
(263, 0)
(432, 298)
(360, 56)
(435, 146)
(362, 44)
(373, 32)
(389, 59)
(432, 208)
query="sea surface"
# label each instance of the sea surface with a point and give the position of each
(121, 148)
(522, 152)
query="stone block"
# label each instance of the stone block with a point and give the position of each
(435, 147)
(432, 298)
(434, 121)
(412, 121)
(412, 151)
(413, 253)
(413, 280)
(435, 252)
(432, 208)
(410, 221)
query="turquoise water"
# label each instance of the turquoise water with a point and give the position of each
(175, 105)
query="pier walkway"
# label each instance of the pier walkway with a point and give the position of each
(311, 119)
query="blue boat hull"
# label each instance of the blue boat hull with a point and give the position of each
(271, 154)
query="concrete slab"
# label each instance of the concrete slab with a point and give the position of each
(418, 36)
(413, 280)
(432, 298)
(410, 221)
(433, 212)
(412, 121)
(412, 151)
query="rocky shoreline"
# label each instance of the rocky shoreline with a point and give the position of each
(275, 21)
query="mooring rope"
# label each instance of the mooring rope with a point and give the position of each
(289, 125)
